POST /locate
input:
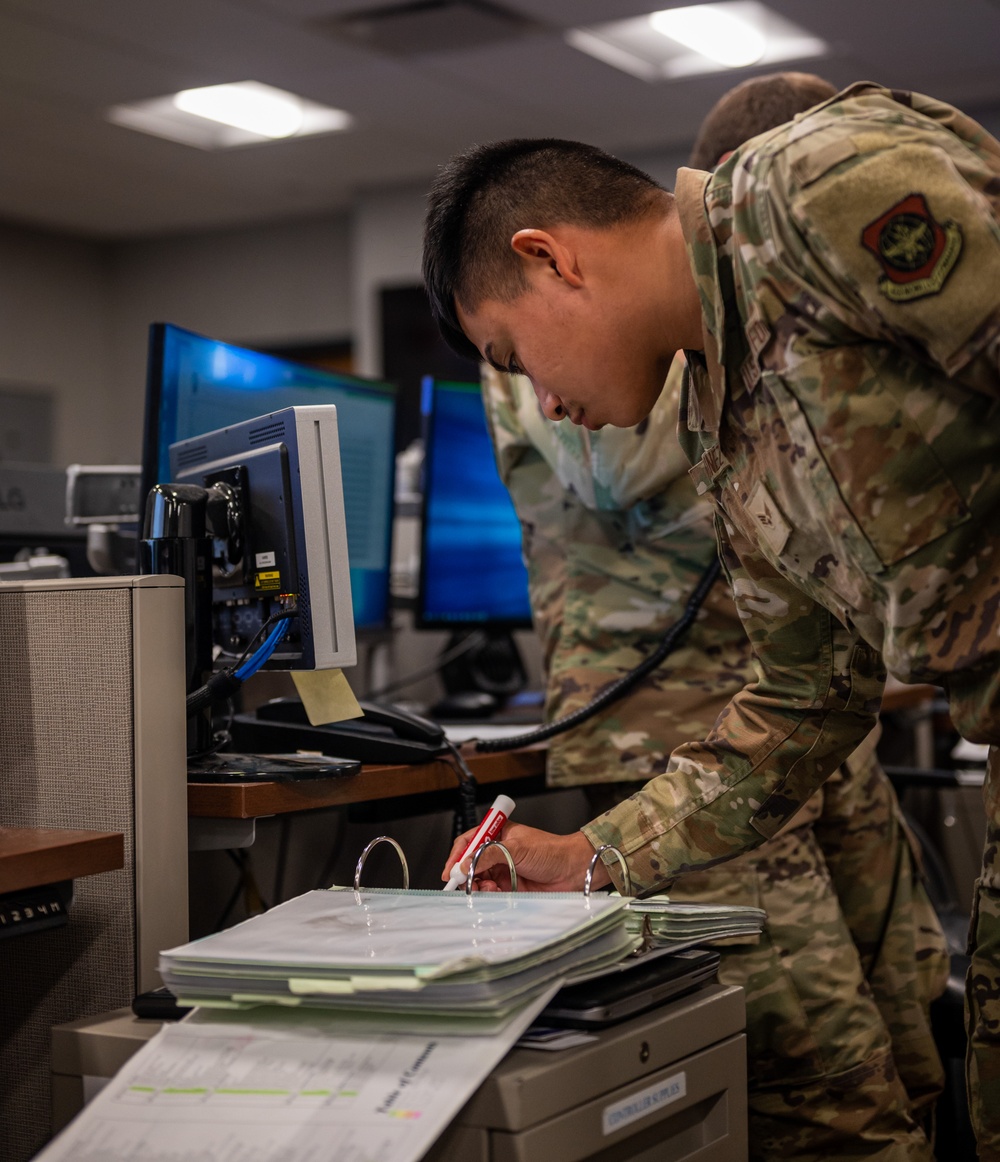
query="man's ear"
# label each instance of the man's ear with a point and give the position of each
(553, 254)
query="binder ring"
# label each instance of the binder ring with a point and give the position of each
(588, 879)
(475, 859)
(369, 847)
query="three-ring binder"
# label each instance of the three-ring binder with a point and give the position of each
(369, 847)
(588, 879)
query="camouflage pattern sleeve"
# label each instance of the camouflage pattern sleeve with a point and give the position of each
(816, 696)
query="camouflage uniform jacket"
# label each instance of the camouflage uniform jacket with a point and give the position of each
(845, 415)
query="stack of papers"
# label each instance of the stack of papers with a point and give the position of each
(279, 1084)
(432, 955)
(676, 926)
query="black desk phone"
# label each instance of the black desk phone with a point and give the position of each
(385, 734)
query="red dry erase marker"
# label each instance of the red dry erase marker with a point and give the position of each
(490, 828)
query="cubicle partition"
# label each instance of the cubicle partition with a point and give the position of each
(92, 736)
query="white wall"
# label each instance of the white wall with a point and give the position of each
(269, 285)
(661, 167)
(387, 230)
(54, 336)
(387, 233)
(74, 315)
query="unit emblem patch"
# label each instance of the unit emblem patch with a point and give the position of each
(916, 252)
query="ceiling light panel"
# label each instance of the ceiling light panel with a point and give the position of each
(712, 31)
(697, 39)
(230, 115)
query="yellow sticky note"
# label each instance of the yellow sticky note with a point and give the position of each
(326, 696)
(303, 986)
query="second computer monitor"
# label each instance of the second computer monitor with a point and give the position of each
(198, 384)
(472, 573)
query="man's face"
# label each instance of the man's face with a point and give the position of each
(595, 365)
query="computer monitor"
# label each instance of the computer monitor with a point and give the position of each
(472, 573)
(197, 385)
(253, 520)
(283, 541)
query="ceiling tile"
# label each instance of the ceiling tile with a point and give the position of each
(62, 63)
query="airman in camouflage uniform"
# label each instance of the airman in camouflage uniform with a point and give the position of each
(842, 410)
(861, 387)
(615, 539)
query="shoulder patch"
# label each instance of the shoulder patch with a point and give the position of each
(915, 251)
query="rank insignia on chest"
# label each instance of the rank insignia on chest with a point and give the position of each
(915, 250)
(772, 524)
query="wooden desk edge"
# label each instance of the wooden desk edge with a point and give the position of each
(902, 697)
(251, 800)
(33, 856)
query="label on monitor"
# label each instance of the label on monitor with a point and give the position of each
(266, 581)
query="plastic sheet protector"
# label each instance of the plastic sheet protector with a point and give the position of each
(405, 937)
(676, 926)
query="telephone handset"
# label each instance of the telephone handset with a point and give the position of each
(385, 734)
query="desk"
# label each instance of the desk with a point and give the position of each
(898, 696)
(37, 868)
(253, 800)
(33, 856)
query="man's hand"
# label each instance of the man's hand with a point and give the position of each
(544, 862)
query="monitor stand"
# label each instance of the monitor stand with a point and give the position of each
(267, 768)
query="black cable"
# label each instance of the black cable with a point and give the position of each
(463, 647)
(224, 683)
(220, 739)
(237, 891)
(226, 730)
(620, 686)
(273, 620)
(250, 886)
(465, 812)
(281, 863)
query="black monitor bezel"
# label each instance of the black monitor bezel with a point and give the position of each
(420, 618)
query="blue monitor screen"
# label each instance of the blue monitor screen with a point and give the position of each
(197, 385)
(471, 570)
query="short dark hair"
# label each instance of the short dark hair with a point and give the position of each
(484, 195)
(755, 106)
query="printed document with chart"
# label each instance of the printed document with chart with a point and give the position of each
(284, 1086)
(348, 1026)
